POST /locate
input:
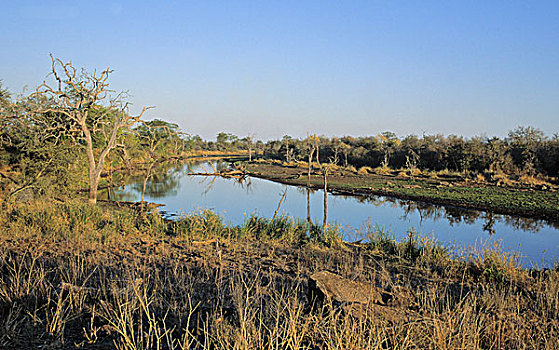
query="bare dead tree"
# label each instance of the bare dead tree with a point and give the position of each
(311, 149)
(325, 171)
(250, 146)
(91, 111)
(279, 204)
(309, 206)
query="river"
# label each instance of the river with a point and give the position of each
(535, 241)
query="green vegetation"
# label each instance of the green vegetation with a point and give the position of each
(73, 274)
(525, 152)
(60, 140)
(78, 273)
(74, 132)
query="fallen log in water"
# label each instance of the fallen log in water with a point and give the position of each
(132, 205)
(236, 174)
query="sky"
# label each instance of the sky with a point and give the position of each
(270, 68)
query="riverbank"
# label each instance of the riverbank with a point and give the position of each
(72, 274)
(445, 190)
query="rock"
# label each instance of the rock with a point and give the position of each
(359, 299)
(325, 286)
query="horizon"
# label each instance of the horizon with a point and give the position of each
(296, 68)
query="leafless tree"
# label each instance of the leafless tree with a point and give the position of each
(250, 146)
(325, 171)
(312, 147)
(93, 112)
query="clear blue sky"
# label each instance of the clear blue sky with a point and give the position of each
(290, 67)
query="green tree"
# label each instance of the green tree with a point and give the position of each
(153, 135)
(225, 141)
(5, 96)
(525, 142)
(36, 145)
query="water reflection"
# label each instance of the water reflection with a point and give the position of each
(165, 181)
(456, 215)
(162, 180)
(235, 198)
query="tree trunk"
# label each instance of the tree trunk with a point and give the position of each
(311, 152)
(126, 158)
(146, 178)
(93, 184)
(96, 169)
(309, 206)
(144, 190)
(325, 220)
(93, 176)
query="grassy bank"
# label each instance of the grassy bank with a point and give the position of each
(74, 275)
(444, 189)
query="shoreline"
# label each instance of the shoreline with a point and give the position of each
(93, 273)
(536, 204)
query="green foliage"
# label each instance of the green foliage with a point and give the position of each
(410, 248)
(70, 220)
(281, 228)
(159, 138)
(5, 96)
(525, 150)
(379, 239)
(38, 148)
(492, 263)
(206, 223)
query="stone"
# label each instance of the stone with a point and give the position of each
(330, 287)
(360, 299)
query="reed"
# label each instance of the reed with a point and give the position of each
(129, 280)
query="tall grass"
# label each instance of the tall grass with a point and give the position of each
(130, 280)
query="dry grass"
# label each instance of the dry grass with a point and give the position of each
(365, 170)
(351, 168)
(76, 275)
(383, 170)
(409, 172)
(503, 180)
(533, 181)
(291, 164)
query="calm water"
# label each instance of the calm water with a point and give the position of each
(536, 241)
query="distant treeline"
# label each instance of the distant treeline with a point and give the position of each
(525, 151)
(42, 146)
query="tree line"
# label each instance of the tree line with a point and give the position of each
(73, 129)
(525, 151)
